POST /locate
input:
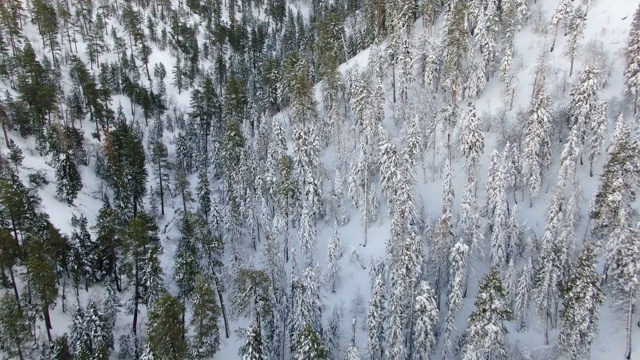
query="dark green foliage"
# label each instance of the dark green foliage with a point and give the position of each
(36, 89)
(61, 349)
(309, 345)
(68, 180)
(204, 320)
(582, 299)
(141, 248)
(252, 348)
(186, 256)
(42, 280)
(108, 228)
(206, 110)
(38, 179)
(251, 294)
(83, 255)
(15, 154)
(166, 331)
(159, 157)
(15, 332)
(126, 172)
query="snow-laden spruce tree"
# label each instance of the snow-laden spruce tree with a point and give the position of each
(500, 219)
(632, 69)
(561, 17)
(485, 35)
(549, 273)
(426, 319)
(623, 269)
(510, 283)
(458, 259)
(582, 298)
(454, 49)
(494, 182)
(204, 321)
(486, 332)
(620, 178)
(523, 293)
(597, 130)
(583, 100)
(376, 318)
(575, 28)
(334, 253)
(307, 236)
(443, 238)
(394, 344)
(471, 142)
(352, 350)
(309, 345)
(536, 155)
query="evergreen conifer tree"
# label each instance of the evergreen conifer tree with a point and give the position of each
(486, 332)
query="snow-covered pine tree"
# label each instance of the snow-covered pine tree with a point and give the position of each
(537, 142)
(493, 182)
(376, 320)
(426, 319)
(394, 342)
(510, 283)
(186, 257)
(68, 179)
(352, 351)
(309, 345)
(500, 218)
(253, 346)
(204, 321)
(597, 130)
(485, 35)
(632, 69)
(471, 142)
(619, 180)
(622, 254)
(523, 293)
(583, 103)
(476, 77)
(575, 28)
(458, 259)
(334, 253)
(561, 16)
(514, 234)
(443, 238)
(486, 332)
(582, 298)
(307, 237)
(83, 262)
(454, 49)
(333, 334)
(566, 243)
(548, 274)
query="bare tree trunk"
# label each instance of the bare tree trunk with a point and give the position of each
(222, 307)
(629, 316)
(15, 288)
(47, 321)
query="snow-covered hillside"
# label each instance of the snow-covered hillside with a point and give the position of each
(319, 179)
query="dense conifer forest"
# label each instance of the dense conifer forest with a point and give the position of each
(319, 179)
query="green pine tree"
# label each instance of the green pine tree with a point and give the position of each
(165, 330)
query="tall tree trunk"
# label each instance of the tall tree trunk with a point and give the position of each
(222, 307)
(47, 321)
(629, 316)
(161, 187)
(136, 298)
(15, 288)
